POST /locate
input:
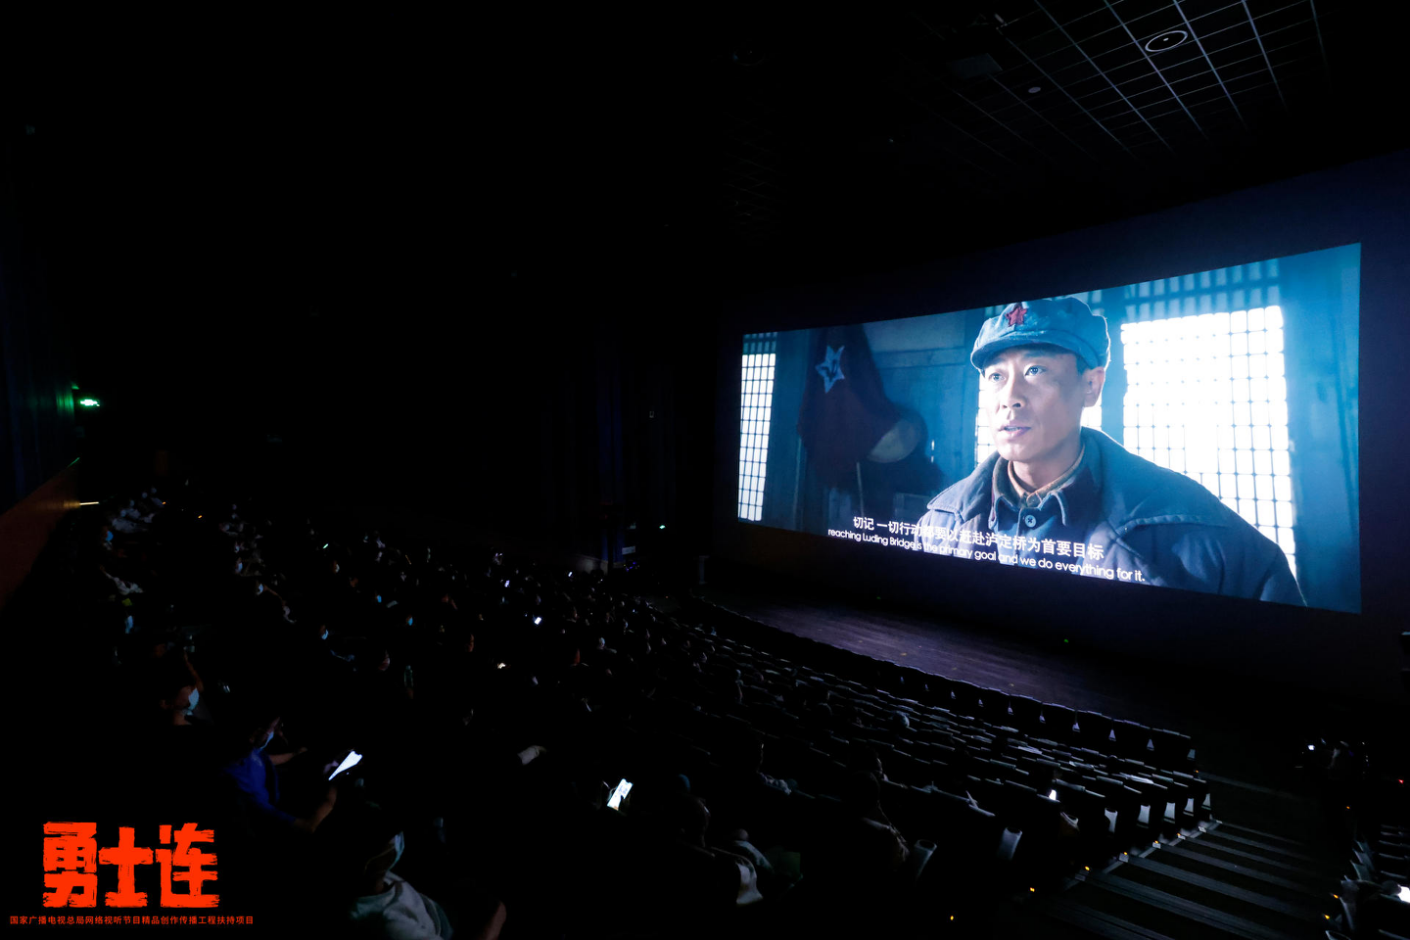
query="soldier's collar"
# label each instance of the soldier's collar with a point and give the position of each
(1035, 497)
(1074, 490)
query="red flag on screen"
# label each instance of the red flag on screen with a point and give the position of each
(845, 409)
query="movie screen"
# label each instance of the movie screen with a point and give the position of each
(1195, 432)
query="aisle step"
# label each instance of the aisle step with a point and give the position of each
(1323, 871)
(1258, 845)
(1311, 880)
(1164, 914)
(1298, 906)
(1213, 894)
(1100, 923)
(1238, 875)
(1209, 918)
(1258, 834)
(1036, 921)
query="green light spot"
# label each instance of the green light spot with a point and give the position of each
(88, 402)
(661, 527)
(1064, 641)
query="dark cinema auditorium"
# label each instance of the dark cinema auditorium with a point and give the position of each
(550, 474)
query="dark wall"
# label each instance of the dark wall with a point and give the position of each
(36, 401)
(1366, 202)
(332, 278)
(535, 416)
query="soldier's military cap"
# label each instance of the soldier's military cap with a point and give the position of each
(1065, 322)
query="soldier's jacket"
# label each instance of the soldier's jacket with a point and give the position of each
(1119, 511)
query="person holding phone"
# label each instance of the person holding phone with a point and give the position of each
(253, 776)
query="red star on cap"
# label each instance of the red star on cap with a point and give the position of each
(1015, 314)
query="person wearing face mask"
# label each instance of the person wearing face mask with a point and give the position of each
(172, 744)
(181, 706)
(177, 687)
(250, 774)
(323, 643)
(265, 604)
(312, 643)
(367, 845)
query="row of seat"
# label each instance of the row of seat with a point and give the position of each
(1064, 733)
(1378, 904)
(946, 757)
(900, 686)
(1060, 723)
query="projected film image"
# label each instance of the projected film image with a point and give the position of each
(1195, 432)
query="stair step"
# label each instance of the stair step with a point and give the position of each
(1219, 895)
(1259, 834)
(1163, 913)
(1035, 921)
(1277, 852)
(1312, 880)
(1099, 923)
(1238, 875)
(1274, 897)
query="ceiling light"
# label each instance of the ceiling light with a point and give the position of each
(1166, 40)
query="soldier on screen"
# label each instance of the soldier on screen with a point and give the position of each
(1057, 495)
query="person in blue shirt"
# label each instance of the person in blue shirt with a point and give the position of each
(1057, 495)
(252, 773)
